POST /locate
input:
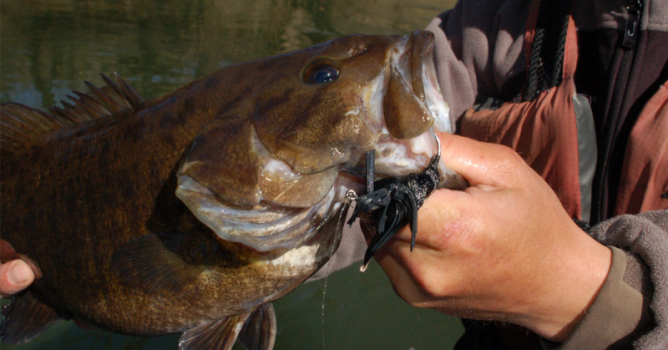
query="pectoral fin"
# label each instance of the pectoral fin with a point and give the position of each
(163, 263)
(259, 332)
(24, 318)
(215, 335)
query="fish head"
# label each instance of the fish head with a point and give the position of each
(274, 168)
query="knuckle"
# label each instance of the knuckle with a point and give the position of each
(508, 163)
(428, 287)
(509, 155)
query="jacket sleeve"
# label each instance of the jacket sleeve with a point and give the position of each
(632, 305)
(479, 52)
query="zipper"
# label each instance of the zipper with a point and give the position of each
(633, 11)
(606, 192)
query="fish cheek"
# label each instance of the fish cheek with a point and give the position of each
(405, 116)
(313, 130)
(223, 160)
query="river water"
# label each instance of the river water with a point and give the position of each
(49, 47)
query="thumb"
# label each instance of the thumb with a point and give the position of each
(15, 276)
(480, 163)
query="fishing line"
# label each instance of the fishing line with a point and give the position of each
(339, 228)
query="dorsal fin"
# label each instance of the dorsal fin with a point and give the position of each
(21, 125)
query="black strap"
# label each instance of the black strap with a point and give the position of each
(547, 49)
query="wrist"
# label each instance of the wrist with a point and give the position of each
(579, 274)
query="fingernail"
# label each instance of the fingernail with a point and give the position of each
(19, 273)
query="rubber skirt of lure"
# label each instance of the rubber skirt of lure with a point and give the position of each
(394, 204)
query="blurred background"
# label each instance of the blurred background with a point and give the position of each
(49, 47)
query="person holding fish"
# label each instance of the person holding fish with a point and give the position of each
(539, 241)
(236, 190)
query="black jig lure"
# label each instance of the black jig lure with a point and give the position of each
(393, 203)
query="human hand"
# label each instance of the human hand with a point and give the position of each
(15, 274)
(504, 249)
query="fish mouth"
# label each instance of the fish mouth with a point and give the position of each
(415, 63)
(406, 108)
(265, 227)
(412, 64)
(401, 107)
(427, 88)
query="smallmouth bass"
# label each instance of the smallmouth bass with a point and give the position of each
(192, 212)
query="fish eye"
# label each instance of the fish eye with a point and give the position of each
(321, 72)
(325, 75)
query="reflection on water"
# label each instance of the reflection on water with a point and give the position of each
(50, 47)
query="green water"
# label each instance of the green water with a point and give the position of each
(48, 48)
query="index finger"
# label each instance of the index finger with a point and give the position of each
(480, 163)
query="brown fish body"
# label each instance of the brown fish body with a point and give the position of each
(95, 192)
(93, 204)
(103, 184)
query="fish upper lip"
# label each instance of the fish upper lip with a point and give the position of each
(416, 56)
(424, 80)
(422, 48)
